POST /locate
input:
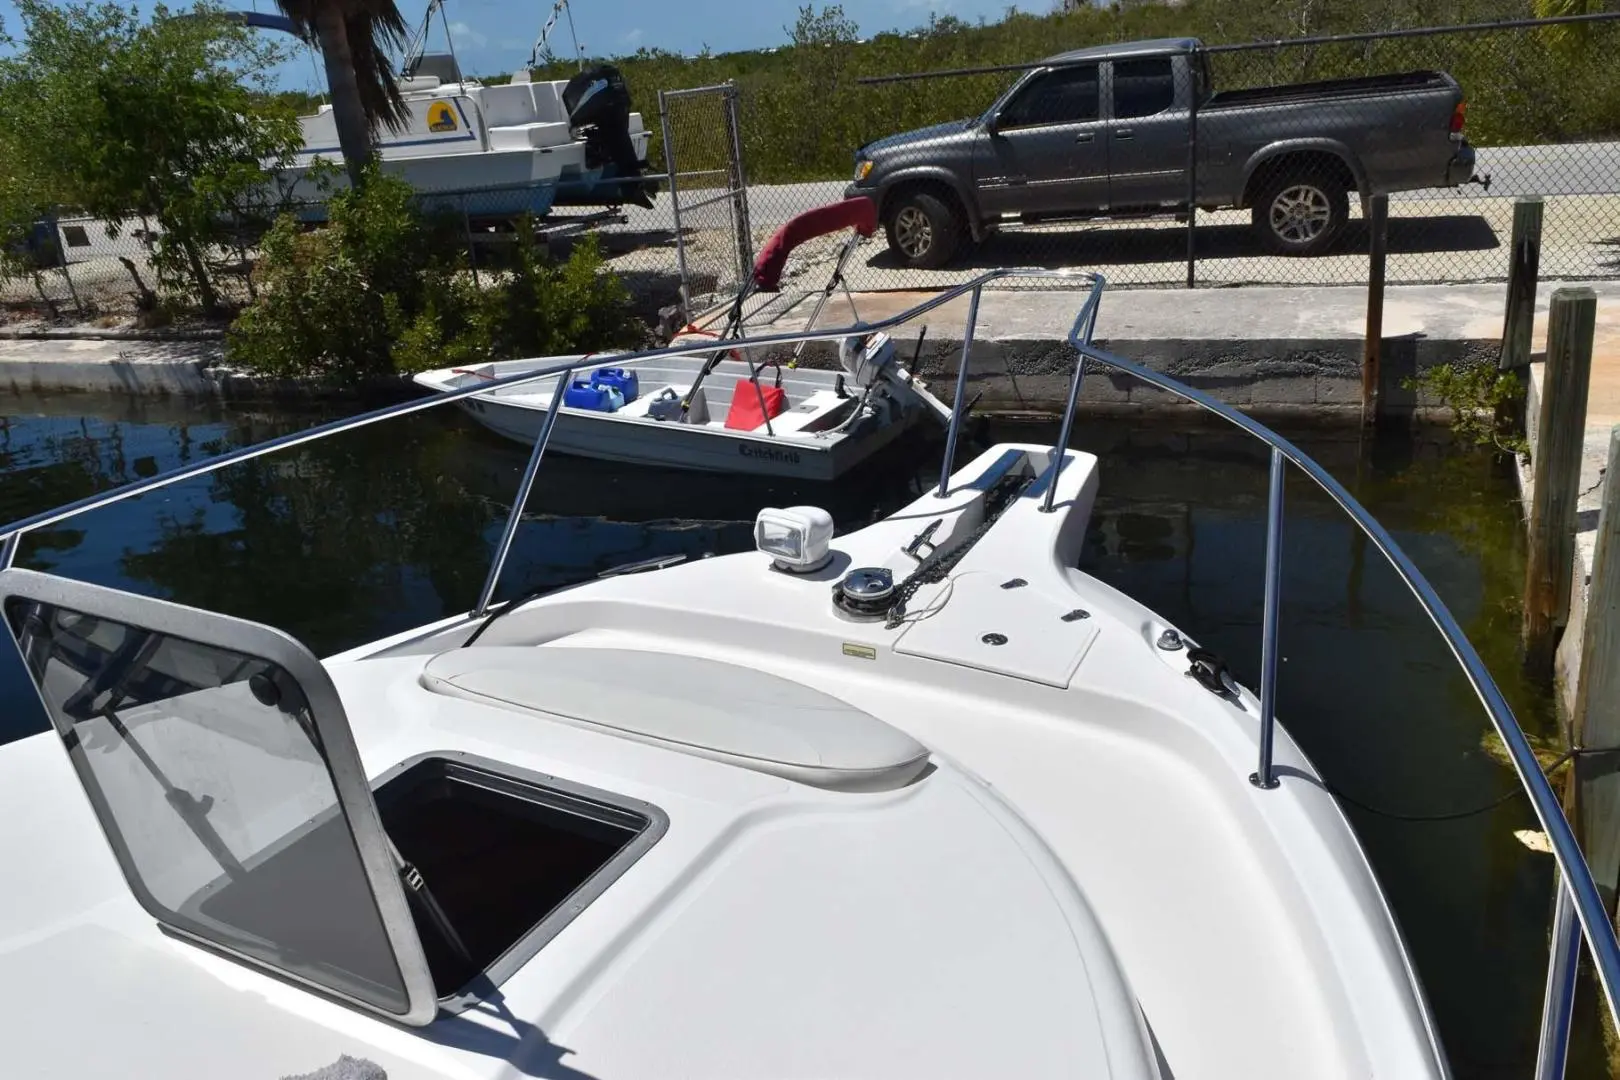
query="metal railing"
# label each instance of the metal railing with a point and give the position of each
(1577, 894)
(1579, 912)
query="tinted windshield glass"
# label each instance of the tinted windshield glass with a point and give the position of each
(206, 771)
(1065, 96)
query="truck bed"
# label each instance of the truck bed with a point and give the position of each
(1403, 82)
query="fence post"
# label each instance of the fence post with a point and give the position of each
(1595, 721)
(1571, 323)
(739, 188)
(1524, 266)
(675, 207)
(1373, 346)
(1194, 66)
(62, 264)
(472, 248)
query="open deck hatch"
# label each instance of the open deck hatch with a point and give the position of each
(220, 764)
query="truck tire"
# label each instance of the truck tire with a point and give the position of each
(924, 230)
(1300, 212)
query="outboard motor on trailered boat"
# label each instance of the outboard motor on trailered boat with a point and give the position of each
(598, 104)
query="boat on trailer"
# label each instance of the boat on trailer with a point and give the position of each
(922, 800)
(494, 153)
(725, 412)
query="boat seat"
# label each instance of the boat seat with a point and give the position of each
(709, 708)
(547, 98)
(805, 412)
(509, 106)
(530, 136)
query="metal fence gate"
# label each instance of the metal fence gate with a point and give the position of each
(708, 192)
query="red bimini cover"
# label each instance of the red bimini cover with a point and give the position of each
(859, 213)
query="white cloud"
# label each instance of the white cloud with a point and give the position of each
(633, 38)
(462, 32)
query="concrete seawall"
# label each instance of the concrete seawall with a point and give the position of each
(1293, 352)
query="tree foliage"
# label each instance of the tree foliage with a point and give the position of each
(126, 120)
(384, 287)
(357, 39)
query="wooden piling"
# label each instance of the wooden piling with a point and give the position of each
(1595, 721)
(1373, 344)
(1524, 267)
(1556, 459)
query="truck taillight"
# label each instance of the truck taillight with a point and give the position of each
(1458, 116)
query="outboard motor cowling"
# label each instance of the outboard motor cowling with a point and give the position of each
(866, 358)
(598, 105)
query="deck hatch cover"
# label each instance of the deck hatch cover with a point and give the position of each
(220, 764)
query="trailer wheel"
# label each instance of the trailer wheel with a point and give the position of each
(1300, 212)
(924, 230)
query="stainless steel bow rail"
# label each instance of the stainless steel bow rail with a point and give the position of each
(1578, 911)
(1578, 914)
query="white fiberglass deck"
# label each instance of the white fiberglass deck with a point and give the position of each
(1080, 883)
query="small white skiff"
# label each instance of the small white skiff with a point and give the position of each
(828, 424)
(753, 413)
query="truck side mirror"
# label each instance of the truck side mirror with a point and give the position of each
(992, 125)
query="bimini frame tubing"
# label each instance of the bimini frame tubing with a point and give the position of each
(858, 214)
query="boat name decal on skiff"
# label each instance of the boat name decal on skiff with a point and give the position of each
(770, 453)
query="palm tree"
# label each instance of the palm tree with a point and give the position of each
(355, 38)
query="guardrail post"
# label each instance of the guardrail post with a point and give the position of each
(1263, 777)
(1571, 323)
(1524, 267)
(509, 533)
(1372, 349)
(1060, 450)
(1559, 1005)
(1595, 720)
(956, 402)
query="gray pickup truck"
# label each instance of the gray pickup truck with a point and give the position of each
(1110, 132)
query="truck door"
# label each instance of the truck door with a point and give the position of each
(1046, 149)
(1147, 133)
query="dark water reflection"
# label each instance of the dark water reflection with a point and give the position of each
(389, 527)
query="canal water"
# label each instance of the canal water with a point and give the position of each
(391, 526)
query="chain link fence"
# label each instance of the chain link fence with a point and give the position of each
(707, 195)
(1092, 160)
(80, 268)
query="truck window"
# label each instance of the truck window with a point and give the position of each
(1143, 87)
(1064, 96)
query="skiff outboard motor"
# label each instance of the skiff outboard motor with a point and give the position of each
(865, 358)
(598, 107)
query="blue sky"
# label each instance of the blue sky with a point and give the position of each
(494, 36)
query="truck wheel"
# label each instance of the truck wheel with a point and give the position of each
(1300, 213)
(924, 230)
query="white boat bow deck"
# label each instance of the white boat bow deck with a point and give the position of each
(703, 821)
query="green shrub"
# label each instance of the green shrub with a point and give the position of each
(384, 288)
(1482, 401)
